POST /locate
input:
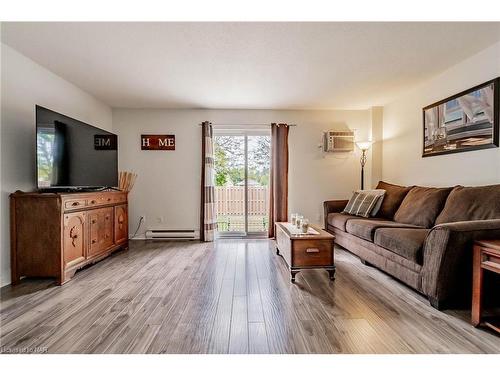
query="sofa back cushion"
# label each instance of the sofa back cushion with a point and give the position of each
(471, 203)
(421, 206)
(394, 195)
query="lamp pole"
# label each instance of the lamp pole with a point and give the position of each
(363, 146)
(363, 162)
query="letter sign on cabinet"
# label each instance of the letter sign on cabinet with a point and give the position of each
(158, 142)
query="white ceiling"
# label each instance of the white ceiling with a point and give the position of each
(248, 65)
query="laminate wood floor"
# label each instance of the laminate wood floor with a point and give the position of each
(233, 296)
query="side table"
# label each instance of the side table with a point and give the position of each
(486, 257)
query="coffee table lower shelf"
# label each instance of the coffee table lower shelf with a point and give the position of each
(493, 323)
(302, 252)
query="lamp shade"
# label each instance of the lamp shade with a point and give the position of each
(364, 145)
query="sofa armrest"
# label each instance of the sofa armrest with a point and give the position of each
(333, 206)
(447, 269)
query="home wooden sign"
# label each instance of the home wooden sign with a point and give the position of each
(157, 142)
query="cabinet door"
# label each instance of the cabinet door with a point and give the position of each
(74, 238)
(94, 233)
(107, 235)
(121, 223)
(101, 230)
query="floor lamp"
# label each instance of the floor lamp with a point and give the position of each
(363, 146)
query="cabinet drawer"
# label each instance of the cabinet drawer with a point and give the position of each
(101, 200)
(93, 202)
(308, 253)
(120, 198)
(490, 260)
(74, 204)
(107, 199)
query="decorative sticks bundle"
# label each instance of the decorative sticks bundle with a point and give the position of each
(127, 180)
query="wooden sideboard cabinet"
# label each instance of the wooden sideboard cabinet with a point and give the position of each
(55, 234)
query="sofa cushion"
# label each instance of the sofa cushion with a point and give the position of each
(365, 228)
(471, 203)
(421, 206)
(394, 195)
(363, 202)
(381, 194)
(406, 242)
(339, 220)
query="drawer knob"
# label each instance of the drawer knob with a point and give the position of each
(94, 241)
(75, 203)
(93, 221)
(312, 250)
(92, 202)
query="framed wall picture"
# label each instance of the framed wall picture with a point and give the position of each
(464, 122)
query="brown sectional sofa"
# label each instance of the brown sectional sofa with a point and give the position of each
(422, 236)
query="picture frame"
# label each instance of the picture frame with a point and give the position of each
(467, 121)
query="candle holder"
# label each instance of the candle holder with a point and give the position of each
(298, 221)
(304, 226)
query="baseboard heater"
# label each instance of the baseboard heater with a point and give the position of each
(172, 234)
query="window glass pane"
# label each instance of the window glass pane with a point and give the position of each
(229, 154)
(233, 215)
(259, 154)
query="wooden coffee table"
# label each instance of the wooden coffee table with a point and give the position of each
(305, 251)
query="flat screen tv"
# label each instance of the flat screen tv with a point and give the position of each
(71, 154)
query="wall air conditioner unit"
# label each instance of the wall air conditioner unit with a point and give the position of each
(338, 141)
(172, 234)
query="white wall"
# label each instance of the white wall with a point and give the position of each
(402, 160)
(24, 84)
(169, 181)
(377, 127)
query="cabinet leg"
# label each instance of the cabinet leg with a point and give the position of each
(67, 276)
(60, 280)
(15, 279)
(293, 273)
(331, 274)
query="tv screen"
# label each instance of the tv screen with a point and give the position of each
(72, 154)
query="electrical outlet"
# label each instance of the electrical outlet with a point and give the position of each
(160, 219)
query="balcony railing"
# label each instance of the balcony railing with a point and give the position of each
(230, 208)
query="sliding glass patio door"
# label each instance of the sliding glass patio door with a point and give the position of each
(242, 161)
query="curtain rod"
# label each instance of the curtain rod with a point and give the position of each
(232, 124)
